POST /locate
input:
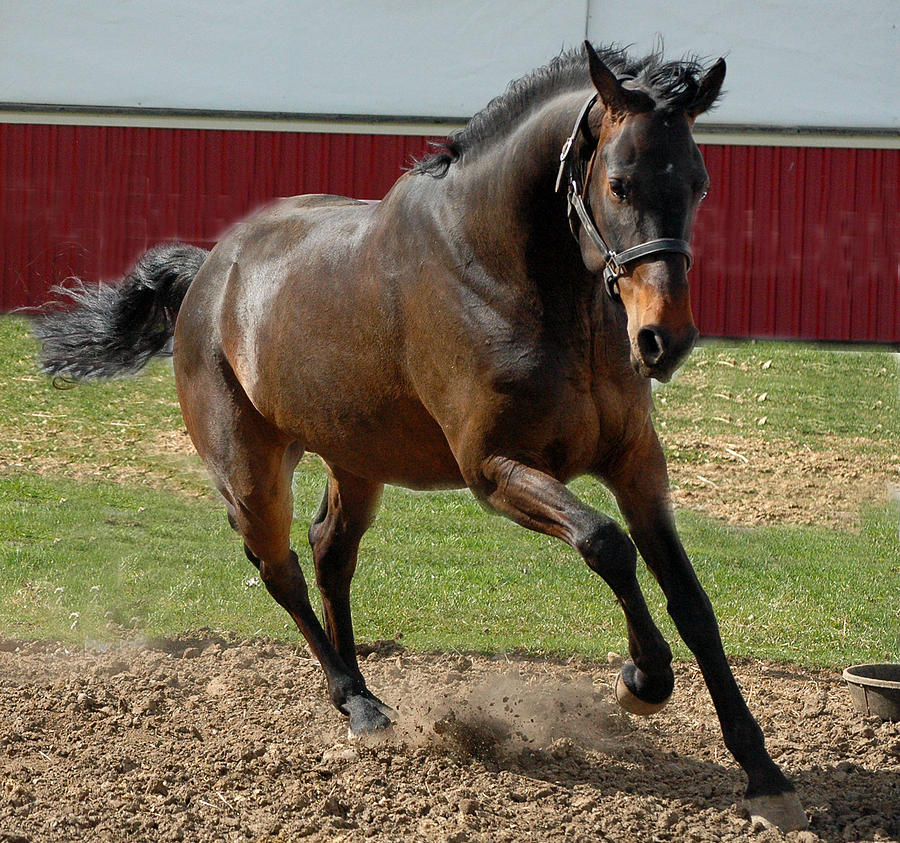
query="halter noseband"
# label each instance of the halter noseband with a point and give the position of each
(614, 261)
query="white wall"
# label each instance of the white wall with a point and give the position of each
(383, 57)
(791, 62)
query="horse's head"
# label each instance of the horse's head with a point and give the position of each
(642, 185)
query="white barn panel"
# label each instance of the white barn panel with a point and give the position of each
(369, 57)
(791, 62)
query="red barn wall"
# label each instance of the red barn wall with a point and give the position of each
(800, 242)
(796, 242)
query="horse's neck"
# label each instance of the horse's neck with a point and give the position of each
(516, 228)
(519, 169)
(507, 206)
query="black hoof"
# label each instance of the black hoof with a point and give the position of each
(368, 715)
(639, 693)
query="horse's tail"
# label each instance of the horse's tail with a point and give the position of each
(114, 329)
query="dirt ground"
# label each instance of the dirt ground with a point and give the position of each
(203, 739)
(750, 480)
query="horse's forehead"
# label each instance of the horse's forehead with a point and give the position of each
(649, 138)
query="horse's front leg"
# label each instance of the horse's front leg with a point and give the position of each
(640, 483)
(541, 503)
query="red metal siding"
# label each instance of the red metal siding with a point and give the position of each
(799, 242)
(86, 200)
(792, 242)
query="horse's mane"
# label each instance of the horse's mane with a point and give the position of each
(671, 84)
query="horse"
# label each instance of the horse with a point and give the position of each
(493, 323)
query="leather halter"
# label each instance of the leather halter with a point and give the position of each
(614, 262)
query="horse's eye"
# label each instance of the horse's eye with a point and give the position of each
(618, 189)
(704, 192)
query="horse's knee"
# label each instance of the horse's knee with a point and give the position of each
(607, 550)
(284, 580)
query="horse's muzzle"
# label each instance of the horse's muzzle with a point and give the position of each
(656, 352)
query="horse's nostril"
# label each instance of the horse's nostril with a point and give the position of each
(652, 343)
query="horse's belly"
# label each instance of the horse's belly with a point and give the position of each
(399, 444)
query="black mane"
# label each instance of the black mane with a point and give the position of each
(671, 84)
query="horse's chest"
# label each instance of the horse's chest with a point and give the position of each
(581, 424)
(549, 419)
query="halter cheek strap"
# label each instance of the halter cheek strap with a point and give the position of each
(614, 262)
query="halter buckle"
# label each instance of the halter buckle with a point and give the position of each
(611, 277)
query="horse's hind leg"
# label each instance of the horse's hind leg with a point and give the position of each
(252, 463)
(347, 510)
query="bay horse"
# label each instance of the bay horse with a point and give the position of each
(493, 323)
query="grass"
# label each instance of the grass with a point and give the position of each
(810, 394)
(106, 531)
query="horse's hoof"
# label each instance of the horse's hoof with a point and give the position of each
(782, 811)
(386, 710)
(367, 717)
(375, 738)
(633, 704)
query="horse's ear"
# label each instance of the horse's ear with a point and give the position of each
(708, 90)
(617, 98)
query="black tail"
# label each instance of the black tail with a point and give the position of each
(114, 329)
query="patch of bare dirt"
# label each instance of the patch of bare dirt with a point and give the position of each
(205, 739)
(750, 480)
(740, 479)
(181, 461)
(173, 442)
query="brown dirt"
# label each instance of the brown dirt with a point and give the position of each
(751, 480)
(175, 445)
(743, 479)
(205, 739)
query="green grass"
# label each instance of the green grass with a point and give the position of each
(810, 392)
(88, 553)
